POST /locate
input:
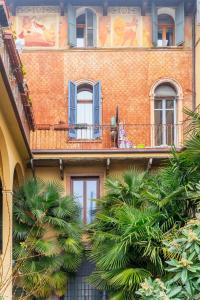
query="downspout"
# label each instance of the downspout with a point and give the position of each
(194, 59)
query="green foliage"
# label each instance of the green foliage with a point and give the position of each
(47, 239)
(136, 215)
(183, 280)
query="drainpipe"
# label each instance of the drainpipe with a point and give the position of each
(194, 59)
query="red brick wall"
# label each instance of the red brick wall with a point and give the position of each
(126, 75)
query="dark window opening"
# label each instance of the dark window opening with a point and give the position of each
(166, 30)
(86, 29)
(79, 289)
(80, 30)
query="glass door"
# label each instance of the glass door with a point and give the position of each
(85, 190)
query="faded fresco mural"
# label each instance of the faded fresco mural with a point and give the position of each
(105, 31)
(121, 28)
(38, 26)
(147, 32)
(125, 27)
(43, 27)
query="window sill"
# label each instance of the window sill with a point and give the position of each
(169, 47)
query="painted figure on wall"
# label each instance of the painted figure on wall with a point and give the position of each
(125, 31)
(147, 31)
(104, 30)
(37, 31)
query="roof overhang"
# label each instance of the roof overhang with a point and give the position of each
(144, 4)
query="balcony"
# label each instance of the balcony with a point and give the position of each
(123, 138)
(11, 69)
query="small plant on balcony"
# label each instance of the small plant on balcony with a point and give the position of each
(30, 101)
(23, 69)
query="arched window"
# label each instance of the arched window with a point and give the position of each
(86, 25)
(165, 115)
(84, 110)
(166, 30)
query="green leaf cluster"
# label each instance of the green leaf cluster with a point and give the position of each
(47, 239)
(183, 280)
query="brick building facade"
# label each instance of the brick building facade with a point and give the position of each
(108, 82)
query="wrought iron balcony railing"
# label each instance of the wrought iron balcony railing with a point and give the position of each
(123, 136)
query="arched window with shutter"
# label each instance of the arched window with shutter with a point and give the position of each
(82, 27)
(168, 30)
(84, 110)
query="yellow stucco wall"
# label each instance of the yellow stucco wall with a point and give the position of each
(12, 165)
(94, 170)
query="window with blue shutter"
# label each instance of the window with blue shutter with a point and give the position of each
(180, 22)
(84, 107)
(72, 109)
(71, 14)
(167, 31)
(97, 109)
(154, 23)
(86, 29)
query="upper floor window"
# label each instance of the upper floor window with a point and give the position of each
(168, 30)
(82, 27)
(165, 115)
(84, 110)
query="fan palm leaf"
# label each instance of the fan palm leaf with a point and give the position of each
(47, 237)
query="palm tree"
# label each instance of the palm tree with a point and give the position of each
(128, 232)
(47, 240)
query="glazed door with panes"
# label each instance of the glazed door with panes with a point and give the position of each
(165, 122)
(85, 190)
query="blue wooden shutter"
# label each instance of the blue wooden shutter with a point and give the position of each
(72, 108)
(97, 109)
(154, 24)
(91, 25)
(94, 30)
(71, 14)
(180, 24)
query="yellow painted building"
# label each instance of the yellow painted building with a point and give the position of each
(16, 120)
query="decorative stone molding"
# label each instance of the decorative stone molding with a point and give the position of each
(85, 81)
(174, 83)
(170, 81)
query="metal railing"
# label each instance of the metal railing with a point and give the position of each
(92, 137)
